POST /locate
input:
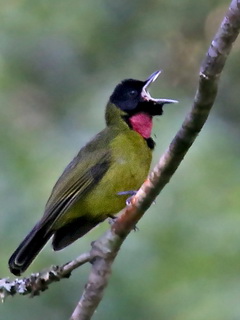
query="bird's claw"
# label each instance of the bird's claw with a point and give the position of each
(130, 192)
(112, 219)
(135, 228)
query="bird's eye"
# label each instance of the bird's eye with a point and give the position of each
(133, 93)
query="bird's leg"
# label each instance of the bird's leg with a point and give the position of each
(131, 193)
(128, 201)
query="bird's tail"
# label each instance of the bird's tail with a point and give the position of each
(28, 249)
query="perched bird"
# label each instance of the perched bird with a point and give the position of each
(97, 182)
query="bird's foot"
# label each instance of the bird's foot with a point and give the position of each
(130, 192)
(112, 219)
(135, 228)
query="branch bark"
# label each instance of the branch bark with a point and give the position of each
(108, 246)
(38, 282)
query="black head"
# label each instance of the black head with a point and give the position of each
(127, 94)
(132, 97)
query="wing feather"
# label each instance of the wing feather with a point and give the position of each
(76, 181)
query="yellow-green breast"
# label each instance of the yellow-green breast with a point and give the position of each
(130, 160)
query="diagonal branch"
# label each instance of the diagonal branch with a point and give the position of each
(107, 247)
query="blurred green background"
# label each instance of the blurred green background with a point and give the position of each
(59, 62)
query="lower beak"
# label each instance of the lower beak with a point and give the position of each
(146, 95)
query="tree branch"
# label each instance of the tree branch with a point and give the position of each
(38, 282)
(110, 243)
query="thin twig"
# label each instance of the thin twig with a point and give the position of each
(38, 282)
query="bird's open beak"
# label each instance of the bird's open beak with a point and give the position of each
(146, 95)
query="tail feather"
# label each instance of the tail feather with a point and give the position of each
(28, 249)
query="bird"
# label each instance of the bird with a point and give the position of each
(97, 182)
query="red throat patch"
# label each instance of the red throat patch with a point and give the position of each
(142, 123)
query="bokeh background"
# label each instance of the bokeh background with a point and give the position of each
(59, 62)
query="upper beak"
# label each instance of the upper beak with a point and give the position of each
(146, 95)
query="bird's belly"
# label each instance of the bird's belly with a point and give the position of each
(105, 200)
(127, 172)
